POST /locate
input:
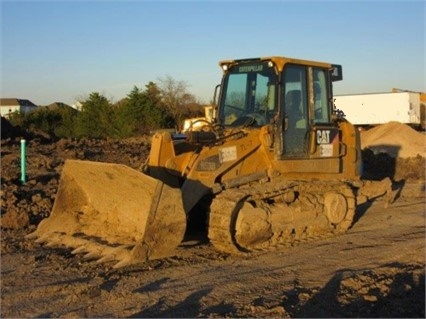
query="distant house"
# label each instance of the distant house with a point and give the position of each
(60, 106)
(11, 105)
(77, 105)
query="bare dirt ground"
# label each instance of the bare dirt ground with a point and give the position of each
(376, 269)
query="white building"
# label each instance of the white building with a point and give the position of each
(77, 106)
(12, 105)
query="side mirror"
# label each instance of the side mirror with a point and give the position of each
(336, 72)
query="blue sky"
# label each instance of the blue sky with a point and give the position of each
(64, 50)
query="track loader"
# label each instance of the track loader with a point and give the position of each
(277, 164)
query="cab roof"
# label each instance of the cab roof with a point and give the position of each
(279, 61)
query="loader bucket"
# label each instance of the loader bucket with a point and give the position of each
(112, 212)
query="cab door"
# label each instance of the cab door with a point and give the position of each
(294, 110)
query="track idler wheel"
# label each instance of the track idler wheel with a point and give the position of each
(336, 207)
(253, 226)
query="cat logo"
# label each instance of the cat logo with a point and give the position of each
(323, 137)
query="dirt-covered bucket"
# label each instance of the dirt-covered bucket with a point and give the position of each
(112, 212)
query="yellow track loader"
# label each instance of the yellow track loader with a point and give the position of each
(277, 164)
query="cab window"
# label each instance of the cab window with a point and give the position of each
(295, 97)
(248, 95)
(321, 109)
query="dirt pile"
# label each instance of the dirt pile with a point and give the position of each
(395, 139)
(394, 150)
(8, 130)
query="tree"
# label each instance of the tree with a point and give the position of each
(58, 120)
(140, 112)
(134, 112)
(153, 93)
(122, 124)
(175, 97)
(95, 118)
(159, 115)
(43, 119)
(18, 119)
(68, 117)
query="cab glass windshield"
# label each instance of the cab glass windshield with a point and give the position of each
(248, 95)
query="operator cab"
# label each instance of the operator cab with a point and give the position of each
(293, 96)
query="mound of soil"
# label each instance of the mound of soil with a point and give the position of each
(395, 139)
(10, 131)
